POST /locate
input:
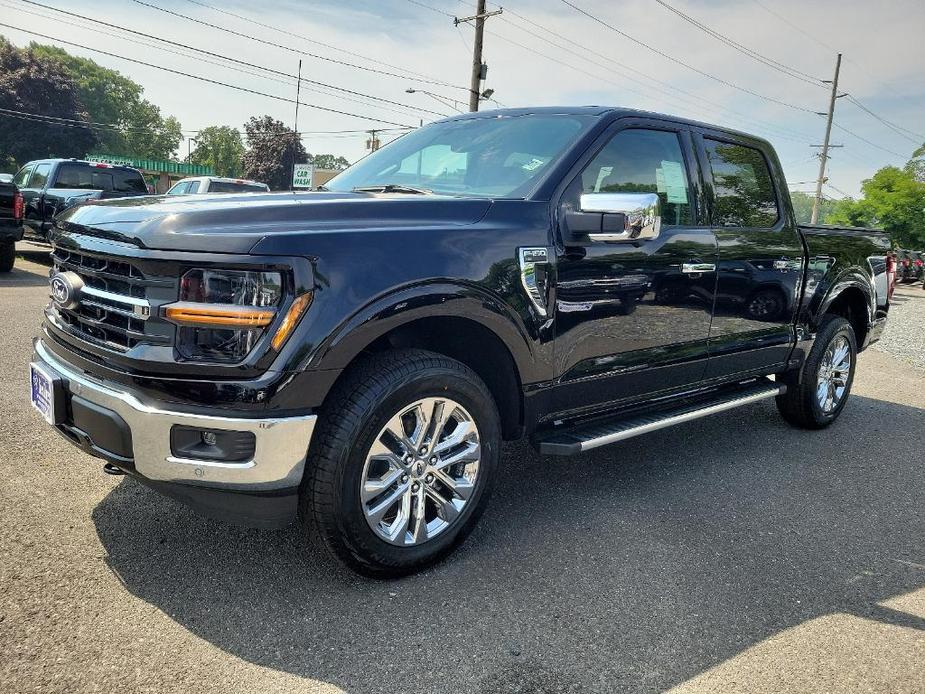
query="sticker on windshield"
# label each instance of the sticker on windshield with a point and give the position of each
(675, 185)
(601, 175)
(533, 164)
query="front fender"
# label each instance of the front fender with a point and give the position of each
(437, 299)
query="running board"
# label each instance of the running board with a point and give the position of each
(584, 437)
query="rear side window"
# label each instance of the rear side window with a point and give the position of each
(743, 190)
(40, 176)
(643, 161)
(128, 181)
(226, 187)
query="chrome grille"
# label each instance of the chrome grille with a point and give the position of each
(113, 307)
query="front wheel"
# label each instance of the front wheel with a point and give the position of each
(404, 462)
(815, 399)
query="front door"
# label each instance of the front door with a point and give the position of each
(760, 267)
(633, 318)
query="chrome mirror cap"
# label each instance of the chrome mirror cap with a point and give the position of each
(641, 212)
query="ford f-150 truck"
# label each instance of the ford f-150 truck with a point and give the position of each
(355, 356)
(50, 186)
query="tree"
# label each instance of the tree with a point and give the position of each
(329, 161)
(33, 83)
(803, 207)
(220, 147)
(110, 97)
(893, 199)
(272, 150)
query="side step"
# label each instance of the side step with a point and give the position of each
(585, 436)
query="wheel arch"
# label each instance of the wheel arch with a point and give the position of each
(851, 297)
(463, 323)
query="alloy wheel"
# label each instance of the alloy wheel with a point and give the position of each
(420, 472)
(833, 374)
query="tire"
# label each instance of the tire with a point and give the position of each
(341, 461)
(7, 256)
(800, 405)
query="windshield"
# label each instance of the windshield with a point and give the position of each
(480, 157)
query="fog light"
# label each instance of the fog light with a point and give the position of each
(212, 444)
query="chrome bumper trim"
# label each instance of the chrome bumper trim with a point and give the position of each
(281, 442)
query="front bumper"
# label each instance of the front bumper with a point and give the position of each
(118, 425)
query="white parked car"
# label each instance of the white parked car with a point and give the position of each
(214, 184)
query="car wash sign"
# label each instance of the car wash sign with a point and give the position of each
(302, 175)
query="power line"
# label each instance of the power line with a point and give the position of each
(25, 115)
(865, 140)
(898, 129)
(770, 62)
(311, 40)
(202, 79)
(230, 59)
(673, 59)
(666, 91)
(290, 48)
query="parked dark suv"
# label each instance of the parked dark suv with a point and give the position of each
(49, 186)
(354, 357)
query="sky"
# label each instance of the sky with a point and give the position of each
(684, 71)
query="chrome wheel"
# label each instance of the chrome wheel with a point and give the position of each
(833, 374)
(420, 471)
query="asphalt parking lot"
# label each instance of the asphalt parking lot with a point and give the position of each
(730, 554)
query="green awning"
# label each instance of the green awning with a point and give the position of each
(153, 165)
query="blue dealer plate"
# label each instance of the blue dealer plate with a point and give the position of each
(43, 393)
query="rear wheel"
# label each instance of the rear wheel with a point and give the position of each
(403, 464)
(815, 399)
(7, 256)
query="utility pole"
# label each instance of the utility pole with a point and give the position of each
(295, 124)
(824, 156)
(478, 69)
(372, 144)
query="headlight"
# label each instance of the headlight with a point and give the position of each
(222, 314)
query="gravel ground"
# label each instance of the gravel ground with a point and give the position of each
(904, 336)
(733, 554)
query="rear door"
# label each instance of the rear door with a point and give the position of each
(760, 255)
(619, 334)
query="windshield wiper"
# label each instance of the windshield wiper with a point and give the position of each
(392, 188)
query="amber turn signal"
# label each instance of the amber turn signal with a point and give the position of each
(299, 304)
(219, 315)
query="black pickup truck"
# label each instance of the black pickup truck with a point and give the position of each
(11, 214)
(355, 356)
(50, 186)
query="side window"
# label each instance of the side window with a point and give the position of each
(643, 161)
(40, 176)
(743, 190)
(23, 176)
(128, 182)
(74, 176)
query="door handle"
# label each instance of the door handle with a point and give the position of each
(697, 268)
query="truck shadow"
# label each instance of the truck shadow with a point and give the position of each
(633, 568)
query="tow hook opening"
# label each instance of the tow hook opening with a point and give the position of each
(111, 469)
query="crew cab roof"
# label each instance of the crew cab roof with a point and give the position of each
(600, 111)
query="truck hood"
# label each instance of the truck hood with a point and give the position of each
(235, 223)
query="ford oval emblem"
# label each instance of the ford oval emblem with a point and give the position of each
(65, 289)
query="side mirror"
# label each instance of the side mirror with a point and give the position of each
(616, 217)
